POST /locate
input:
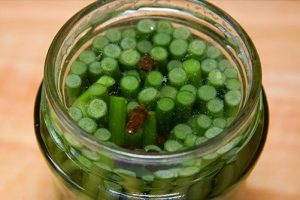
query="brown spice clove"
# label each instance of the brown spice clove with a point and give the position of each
(161, 139)
(137, 117)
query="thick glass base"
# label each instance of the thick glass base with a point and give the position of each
(221, 184)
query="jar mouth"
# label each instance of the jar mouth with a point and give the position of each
(54, 98)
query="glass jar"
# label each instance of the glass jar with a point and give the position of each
(89, 169)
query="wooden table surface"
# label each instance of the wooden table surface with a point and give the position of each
(28, 27)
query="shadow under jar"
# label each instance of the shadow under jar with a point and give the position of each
(88, 169)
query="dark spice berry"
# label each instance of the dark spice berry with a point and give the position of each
(147, 63)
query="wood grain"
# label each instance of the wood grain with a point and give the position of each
(26, 31)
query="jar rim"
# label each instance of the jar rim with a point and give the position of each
(201, 149)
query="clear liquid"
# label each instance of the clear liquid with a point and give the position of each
(196, 33)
